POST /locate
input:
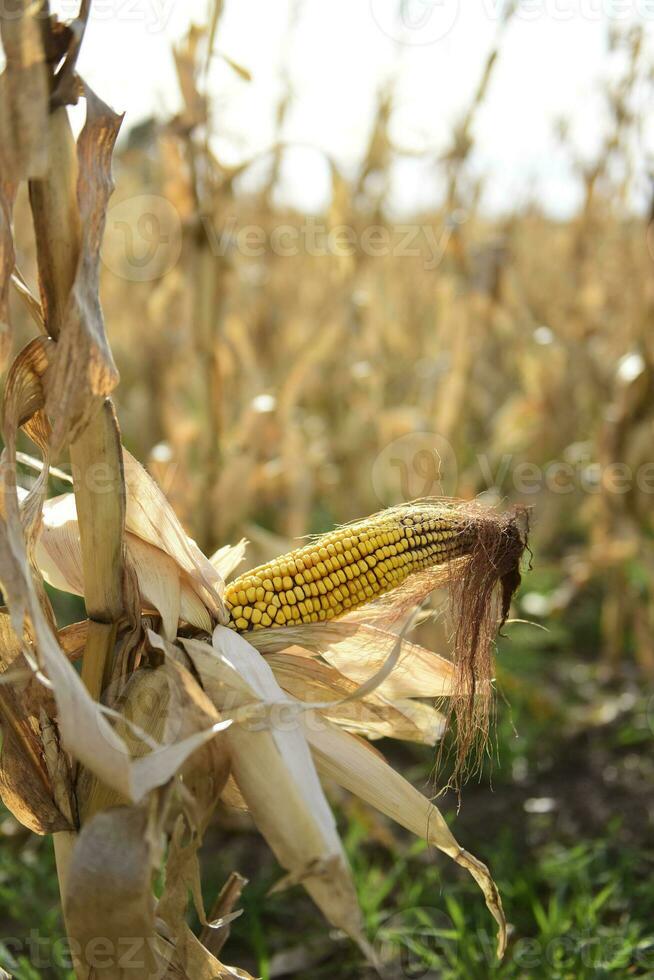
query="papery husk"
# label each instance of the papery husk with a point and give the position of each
(227, 559)
(174, 577)
(163, 585)
(310, 680)
(150, 517)
(358, 651)
(272, 767)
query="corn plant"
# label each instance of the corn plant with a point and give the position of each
(176, 704)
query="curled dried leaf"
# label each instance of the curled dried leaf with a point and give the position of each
(349, 761)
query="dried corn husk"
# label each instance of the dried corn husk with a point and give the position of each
(358, 651)
(272, 767)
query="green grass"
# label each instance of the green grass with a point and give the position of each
(583, 911)
(31, 942)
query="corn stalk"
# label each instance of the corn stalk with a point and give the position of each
(58, 207)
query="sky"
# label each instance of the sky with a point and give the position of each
(338, 53)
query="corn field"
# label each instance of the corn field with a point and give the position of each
(271, 484)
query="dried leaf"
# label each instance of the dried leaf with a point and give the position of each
(188, 710)
(216, 933)
(30, 302)
(72, 639)
(83, 369)
(351, 764)
(217, 10)
(23, 406)
(199, 964)
(66, 91)
(242, 72)
(26, 786)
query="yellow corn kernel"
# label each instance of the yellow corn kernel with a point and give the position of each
(347, 567)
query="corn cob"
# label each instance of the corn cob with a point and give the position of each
(346, 567)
